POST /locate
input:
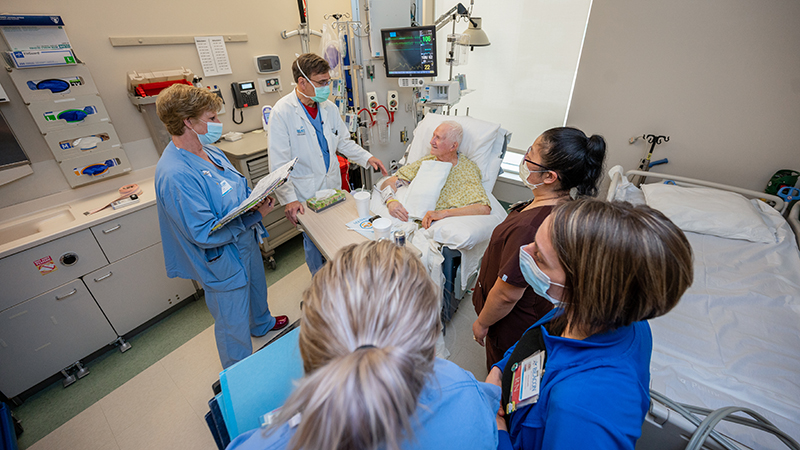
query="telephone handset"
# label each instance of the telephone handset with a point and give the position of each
(244, 94)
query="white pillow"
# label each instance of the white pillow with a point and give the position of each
(709, 211)
(478, 143)
(424, 190)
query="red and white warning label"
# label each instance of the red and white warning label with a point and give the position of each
(45, 265)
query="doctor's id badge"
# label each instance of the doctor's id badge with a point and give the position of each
(526, 381)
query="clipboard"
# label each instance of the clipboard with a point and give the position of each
(265, 186)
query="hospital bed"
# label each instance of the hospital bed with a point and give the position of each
(734, 337)
(461, 241)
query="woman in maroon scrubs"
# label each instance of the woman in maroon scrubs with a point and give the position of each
(562, 163)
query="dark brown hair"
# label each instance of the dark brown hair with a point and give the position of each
(623, 263)
(312, 64)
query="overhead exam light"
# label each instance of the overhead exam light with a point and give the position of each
(477, 37)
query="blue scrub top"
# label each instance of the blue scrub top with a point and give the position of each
(320, 132)
(192, 196)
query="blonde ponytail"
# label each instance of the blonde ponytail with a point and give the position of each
(368, 335)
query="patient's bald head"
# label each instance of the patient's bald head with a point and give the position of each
(446, 139)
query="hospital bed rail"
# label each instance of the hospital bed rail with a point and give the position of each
(778, 203)
(663, 430)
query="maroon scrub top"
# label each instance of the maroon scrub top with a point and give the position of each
(501, 260)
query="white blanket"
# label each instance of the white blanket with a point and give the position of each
(423, 192)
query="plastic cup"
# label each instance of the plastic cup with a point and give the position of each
(362, 203)
(382, 228)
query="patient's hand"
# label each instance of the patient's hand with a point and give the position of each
(432, 216)
(397, 210)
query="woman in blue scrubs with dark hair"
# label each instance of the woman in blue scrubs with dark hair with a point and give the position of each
(579, 378)
(196, 186)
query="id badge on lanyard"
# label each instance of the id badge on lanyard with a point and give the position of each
(526, 381)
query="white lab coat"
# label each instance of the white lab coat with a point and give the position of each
(291, 135)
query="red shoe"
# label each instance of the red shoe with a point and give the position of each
(280, 322)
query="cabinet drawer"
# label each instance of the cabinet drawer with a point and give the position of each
(29, 273)
(128, 234)
(135, 289)
(47, 333)
(280, 232)
(276, 215)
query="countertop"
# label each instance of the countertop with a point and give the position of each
(250, 144)
(61, 214)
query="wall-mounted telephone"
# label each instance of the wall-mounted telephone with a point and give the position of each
(244, 94)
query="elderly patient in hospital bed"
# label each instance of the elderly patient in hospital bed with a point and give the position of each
(448, 183)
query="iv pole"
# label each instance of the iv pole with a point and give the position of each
(303, 30)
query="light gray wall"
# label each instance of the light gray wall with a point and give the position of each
(89, 23)
(721, 77)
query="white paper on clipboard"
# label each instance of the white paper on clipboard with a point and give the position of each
(213, 55)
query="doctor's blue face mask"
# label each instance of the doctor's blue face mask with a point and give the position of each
(320, 93)
(534, 276)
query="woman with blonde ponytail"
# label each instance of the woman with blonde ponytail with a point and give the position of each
(369, 328)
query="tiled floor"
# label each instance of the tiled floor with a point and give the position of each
(163, 406)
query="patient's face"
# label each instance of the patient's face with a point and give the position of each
(440, 144)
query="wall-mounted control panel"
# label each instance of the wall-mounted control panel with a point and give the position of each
(267, 63)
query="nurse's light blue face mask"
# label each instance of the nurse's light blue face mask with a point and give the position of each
(534, 276)
(212, 134)
(320, 93)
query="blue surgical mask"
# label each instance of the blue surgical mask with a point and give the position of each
(534, 276)
(212, 134)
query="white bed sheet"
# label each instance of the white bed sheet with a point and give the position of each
(734, 338)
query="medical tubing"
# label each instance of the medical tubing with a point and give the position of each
(391, 118)
(721, 440)
(711, 421)
(371, 118)
(749, 423)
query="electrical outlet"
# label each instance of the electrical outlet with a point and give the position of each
(392, 100)
(372, 102)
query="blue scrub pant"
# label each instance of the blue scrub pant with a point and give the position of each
(241, 312)
(314, 258)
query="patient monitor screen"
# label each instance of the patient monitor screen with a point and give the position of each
(410, 52)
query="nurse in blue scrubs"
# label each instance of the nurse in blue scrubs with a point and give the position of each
(196, 186)
(579, 377)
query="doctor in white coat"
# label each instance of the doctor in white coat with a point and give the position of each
(306, 126)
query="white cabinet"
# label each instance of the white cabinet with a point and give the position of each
(128, 234)
(47, 333)
(31, 272)
(65, 299)
(135, 289)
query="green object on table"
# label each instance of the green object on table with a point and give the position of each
(325, 203)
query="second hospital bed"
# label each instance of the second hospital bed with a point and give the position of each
(734, 337)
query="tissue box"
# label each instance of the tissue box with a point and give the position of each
(320, 205)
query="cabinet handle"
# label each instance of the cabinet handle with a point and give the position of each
(112, 229)
(62, 297)
(97, 280)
